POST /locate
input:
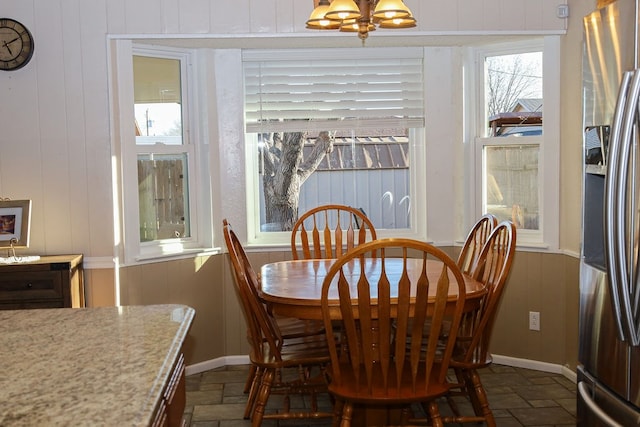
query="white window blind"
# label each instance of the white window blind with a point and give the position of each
(298, 90)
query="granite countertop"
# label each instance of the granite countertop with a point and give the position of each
(87, 366)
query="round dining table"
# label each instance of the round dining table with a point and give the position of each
(294, 288)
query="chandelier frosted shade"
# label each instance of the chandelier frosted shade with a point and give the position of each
(360, 16)
(318, 20)
(391, 9)
(343, 9)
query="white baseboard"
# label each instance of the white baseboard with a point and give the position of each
(536, 366)
(570, 374)
(500, 360)
(216, 363)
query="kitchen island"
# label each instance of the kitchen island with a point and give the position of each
(108, 366)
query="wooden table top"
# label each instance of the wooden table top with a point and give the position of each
(294, 288)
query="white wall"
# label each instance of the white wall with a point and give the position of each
(55, 139)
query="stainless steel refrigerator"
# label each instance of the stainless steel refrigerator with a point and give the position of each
(609, 351)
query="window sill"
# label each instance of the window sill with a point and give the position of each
(185, 254)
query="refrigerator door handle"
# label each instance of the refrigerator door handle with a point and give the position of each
(593, 406)
(621, 222)
(611, 225)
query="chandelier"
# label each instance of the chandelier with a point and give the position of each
(346, 15)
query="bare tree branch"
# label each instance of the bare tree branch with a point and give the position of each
(284, 173)
(323, 146)
(507, 82)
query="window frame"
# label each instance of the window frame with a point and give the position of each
(132, 250)
(547, 237)
(417, 161)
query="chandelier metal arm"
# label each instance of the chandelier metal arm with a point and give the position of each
(365, 19)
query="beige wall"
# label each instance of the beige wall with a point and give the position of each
(99, 287)
(201, 283)
(546, 283)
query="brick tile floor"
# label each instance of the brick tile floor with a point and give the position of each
(518, 397)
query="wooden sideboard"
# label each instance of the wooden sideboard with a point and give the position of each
(51, 282)
(170, 409)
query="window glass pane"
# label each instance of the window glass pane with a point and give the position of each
(366, 169)
(513, 90)
(160, 123)
(163, 196)
(158, 100)
(510, 177)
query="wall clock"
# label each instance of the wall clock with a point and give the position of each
(16, 44)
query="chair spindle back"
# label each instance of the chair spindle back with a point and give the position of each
(328, 231)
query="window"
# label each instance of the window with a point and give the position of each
(517, 146)
(160, 152)
(163, 156)
(333, 126)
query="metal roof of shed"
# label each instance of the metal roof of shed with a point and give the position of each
(368, 152)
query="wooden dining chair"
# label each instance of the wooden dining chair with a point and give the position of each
(271, 351)
(289, 327)
(475, 240)
(328, 231)
(380, 361)
(472, 344)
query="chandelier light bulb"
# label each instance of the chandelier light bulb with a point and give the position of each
(407, 22)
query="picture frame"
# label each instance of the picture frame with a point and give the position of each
(15, 221)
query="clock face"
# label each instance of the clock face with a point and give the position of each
(16, 45)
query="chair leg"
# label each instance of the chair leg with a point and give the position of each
(347, 414)
(337, 412)
(469, 389)
(253, 393)
(453, 406)
(480, 396)
(250, 376)
(263, 396)
(460, 384)
(434, 414)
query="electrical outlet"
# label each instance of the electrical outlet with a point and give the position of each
(534, 320)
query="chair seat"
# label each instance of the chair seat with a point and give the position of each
(307, 350)
(294, 328)
(381, 394)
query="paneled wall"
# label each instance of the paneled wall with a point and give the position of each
(203, 283)
(57, 133)
(538, 282)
